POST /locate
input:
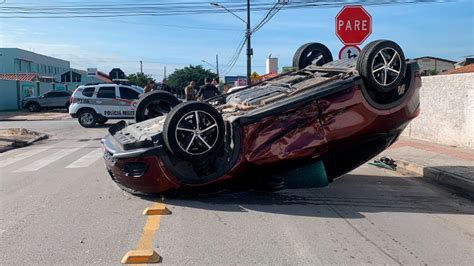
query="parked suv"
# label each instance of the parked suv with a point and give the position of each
(97, 103)
(51, 99)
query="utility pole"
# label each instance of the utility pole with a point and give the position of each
(248, 34)
(249, 48)
(217, 66)
(164, 73)
(141, 67)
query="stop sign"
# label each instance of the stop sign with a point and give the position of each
(353, 25)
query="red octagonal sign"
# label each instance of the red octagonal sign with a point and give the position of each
(353, 25)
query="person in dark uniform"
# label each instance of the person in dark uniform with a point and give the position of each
(165, 86)
(207, 91)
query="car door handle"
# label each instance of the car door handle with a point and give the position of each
(98, 101)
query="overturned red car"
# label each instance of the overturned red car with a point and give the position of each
(336, 113)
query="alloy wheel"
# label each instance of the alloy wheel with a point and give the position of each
(197, 132)
(386, 66)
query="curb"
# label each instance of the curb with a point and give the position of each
(449, 180)
(19, 144)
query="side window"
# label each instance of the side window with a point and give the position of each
(106, 92)
(127, 93)
(49, 94)
(88, 92)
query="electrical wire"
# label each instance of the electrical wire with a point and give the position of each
(127, 9)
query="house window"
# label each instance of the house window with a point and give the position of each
(17, 65)
(66, 77)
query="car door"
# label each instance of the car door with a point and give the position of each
(128, 98)
(56, 99)
(106, 102)
(47, 99)
(62, 99)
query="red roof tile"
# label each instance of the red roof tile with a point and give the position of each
(20, 77)
(464, 69)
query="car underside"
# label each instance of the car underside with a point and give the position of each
(335, 113)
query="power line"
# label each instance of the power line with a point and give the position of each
(171, 9)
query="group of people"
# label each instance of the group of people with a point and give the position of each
(208, 90)
(151, 86)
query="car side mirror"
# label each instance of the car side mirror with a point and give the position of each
(42, 96)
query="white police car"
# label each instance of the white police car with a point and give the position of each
(97, 103)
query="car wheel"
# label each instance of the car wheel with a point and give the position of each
(102, 121)
(194, 131)
(382, 65)
(154, 104)
(87, 118)
(311, 53)
(33, 107)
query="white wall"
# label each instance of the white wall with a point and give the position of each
(447, 111)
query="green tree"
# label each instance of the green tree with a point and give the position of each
(139, 79)
(180, 78)
(434, 72)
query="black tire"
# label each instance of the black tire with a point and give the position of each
(305, 55)
(67, 106)
(154, 104)
(87, 118)
(382, 65)
(33, 107)
(102, 121)
(180, 130)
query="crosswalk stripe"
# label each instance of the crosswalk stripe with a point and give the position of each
(49, 159)
(22, 156)
(87, 159)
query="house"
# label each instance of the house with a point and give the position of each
(430, 65)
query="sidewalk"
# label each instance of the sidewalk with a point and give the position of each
(449, 166)
(28, 116)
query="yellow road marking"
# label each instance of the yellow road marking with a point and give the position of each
(157, 209)
(144, 252)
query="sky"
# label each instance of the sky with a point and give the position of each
(443, 30)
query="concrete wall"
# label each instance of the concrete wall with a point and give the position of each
(12, 92)
(447, 111)
(8, 95)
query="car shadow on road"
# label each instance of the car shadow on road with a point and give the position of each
(348, 197)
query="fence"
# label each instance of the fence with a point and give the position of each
(12, 92)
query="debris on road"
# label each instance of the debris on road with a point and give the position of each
(386, 163)
(11, 138)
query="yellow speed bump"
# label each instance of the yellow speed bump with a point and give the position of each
(157, 209)
(141, 256)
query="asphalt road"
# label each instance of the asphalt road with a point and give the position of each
(59, 206)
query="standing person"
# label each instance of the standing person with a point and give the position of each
(150, 86)
(165, 86)
(190, 91)
(215, 82)
(207, 90)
